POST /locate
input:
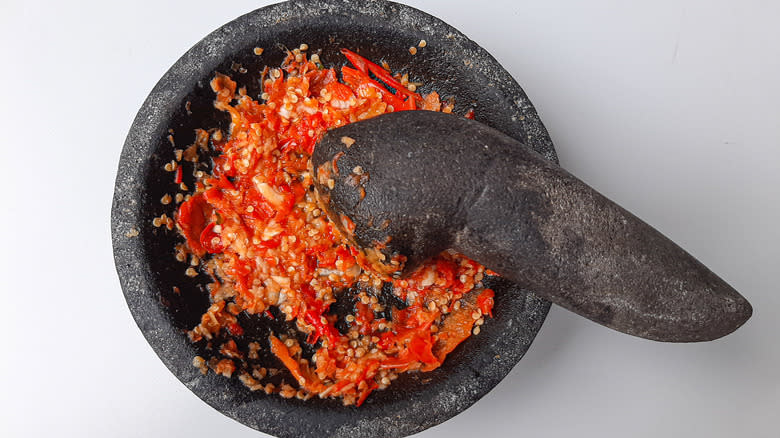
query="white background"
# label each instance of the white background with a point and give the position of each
(671, 108)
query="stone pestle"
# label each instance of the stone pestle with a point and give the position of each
(416, 183)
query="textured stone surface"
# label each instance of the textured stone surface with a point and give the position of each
(442, 181)
(451, 64)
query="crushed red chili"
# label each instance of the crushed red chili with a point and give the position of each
(271, 246)
(485, 302)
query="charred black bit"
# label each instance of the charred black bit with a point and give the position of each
(390, 301)
(344, 305)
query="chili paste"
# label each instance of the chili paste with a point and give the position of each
(253, 224)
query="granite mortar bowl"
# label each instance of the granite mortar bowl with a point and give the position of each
(182, 101)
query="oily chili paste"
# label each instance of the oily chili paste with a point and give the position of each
(253, 224)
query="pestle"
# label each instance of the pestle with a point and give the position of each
(416, 183)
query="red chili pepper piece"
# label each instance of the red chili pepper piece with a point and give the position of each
(272, 243)
(447, 269)
(366, 392)
(178, 178)
(421, 348)
(225, 183)
(339, 91)
(319, 79)
(365, 66)
(485, 302)
(289, 145)
(386, 340)
(358, 61)
(235, 329)
(211, 241)
(359, 79)
(192, 217)
(314, 317)
(410, 104)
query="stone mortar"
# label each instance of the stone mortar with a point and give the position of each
(451, 64)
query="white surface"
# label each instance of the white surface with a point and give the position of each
(670, 108)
